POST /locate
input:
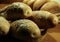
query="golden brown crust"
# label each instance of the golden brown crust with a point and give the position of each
(38, 4)
(17, 10)
(35, 4)
(4, 26)
(44, 19)
(29, 27)
(51, 6)
(58, 15)
(28, 2)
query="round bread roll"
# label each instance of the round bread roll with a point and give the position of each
(51, 6)
(35, 4)
(29, 2)
(25, 29)
(44, 19)
(16, 10)
(38, 4)
(4, 26)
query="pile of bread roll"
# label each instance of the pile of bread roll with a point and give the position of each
(28, 20)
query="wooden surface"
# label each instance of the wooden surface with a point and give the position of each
(9, 1)
(53, 35)
(3, 5)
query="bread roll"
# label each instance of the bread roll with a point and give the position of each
(25, 29)
(16, 10)
(38, 4)
(4, 26)
(44, 19)
(51, 6)
(35, 4)
(29, 2)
